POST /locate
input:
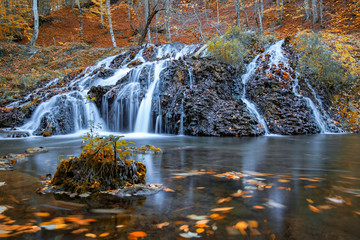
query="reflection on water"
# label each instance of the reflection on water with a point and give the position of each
(299, 187)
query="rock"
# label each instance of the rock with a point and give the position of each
(36, 150)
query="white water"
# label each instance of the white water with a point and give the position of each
(144, 115)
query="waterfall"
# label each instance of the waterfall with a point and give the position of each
(250, 70)
(144, 115)
(276, 57)
(130, 100)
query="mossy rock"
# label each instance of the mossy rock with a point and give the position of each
(84, 174)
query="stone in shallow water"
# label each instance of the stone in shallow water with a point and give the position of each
(36, 150)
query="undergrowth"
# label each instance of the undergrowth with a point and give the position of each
(238, 47)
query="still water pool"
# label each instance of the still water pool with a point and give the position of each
(295, 187)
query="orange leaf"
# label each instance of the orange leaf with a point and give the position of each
(309, 200)
(41, 214)
(314, 209)
(200, 230)
(81, 230)
(138, 234)
(161, 225)
(258, 207)
(223, 209)
(241, 226)
(90, 235)
(105, 234)
(228, 199)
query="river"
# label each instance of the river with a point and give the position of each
(288, 187)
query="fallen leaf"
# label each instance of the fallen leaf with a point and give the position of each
(241, 226)
(314, 209)
(120, 226)
(90, 235)
(201, 226)
(228, 199)
(184, 228)
(203, 221)
(357, 212)
(138, 234)
(41, 214)
(200, 230)
(168, 189)
(80, 230)
(161, 225)
(253, 224)
(310, 186)
(105, 234)
(324, 207)
(258, 207)
(283, 180)
(239, 193)
(223, 209)
(309, 200)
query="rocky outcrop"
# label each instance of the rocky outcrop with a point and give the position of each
(196, 99)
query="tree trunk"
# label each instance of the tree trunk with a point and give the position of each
(237, 9)
(81, 21)
(154, 11)
(168, 4)
(260, 20)
(321, 12)
(314, 11)
(102, 14)
(146, 16)
(244, 10)
(110, 23)
(36, 24)
(307, 10)
(217, 11)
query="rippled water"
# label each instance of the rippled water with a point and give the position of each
(287, 186)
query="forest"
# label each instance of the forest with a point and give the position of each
(179, 119)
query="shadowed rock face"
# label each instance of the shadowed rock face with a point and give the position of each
(198, 97)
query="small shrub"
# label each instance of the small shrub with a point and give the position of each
(317, 62)
(236, 46)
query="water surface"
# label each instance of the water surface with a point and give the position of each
(296, 187)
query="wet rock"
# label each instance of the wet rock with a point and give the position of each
(36, 150)
(9, 133)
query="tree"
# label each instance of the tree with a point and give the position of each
(314, 11)
(168, 7)
(152, 11)
(36, 24)
(307, 10)
(110, 23)
(80, 20)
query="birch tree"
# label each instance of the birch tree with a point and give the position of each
(307, 10)
(110, 23)
(314, 11)
(168, 7)
(36, 24)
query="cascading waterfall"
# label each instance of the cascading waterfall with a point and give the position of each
(132, 102)
(250, 70)
(276, 56)
(144, 115)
